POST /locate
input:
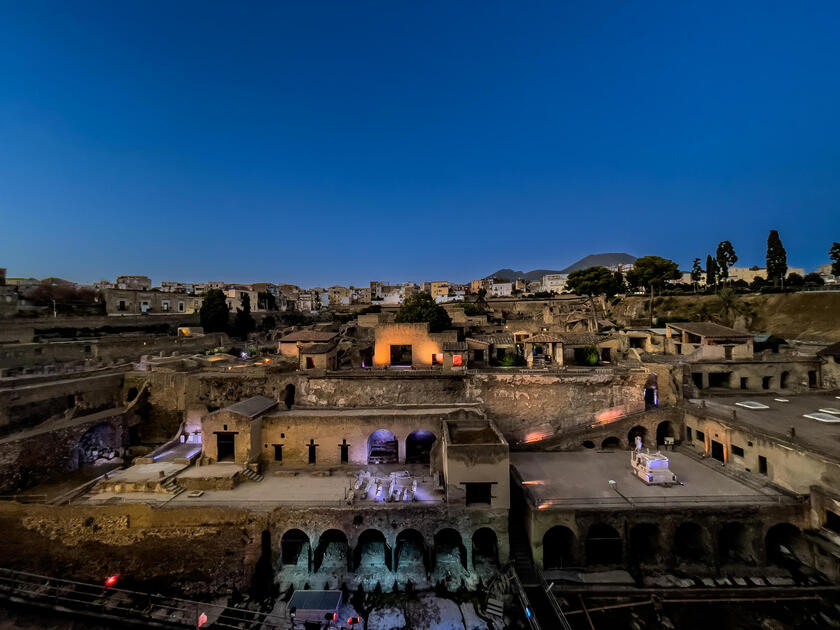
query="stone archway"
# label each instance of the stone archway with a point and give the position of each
(383, 447)
(333, 551)
(411, 551)
(603, 545)
(665, 429)
(734, 544)
(372, 551)
(691, 542)
(558, 548)
(418, 446)
(485, 548)
(449, 548)
(295, 549)
(645, 545)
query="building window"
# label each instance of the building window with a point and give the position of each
(165, 305)
(478, 493)
(737, 450)
(688, 434)
(278, 452)
(312, 452)
(765, 382)
(478, 355)
(762, 464)
(744, 382)
(345, 451)
(180, 307)
(310, 363)
(121, 307)
(701, 437)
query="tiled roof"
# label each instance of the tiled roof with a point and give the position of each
(570, 338)
(455, 346)
(501, 339)
(308, 335)
(317, 348)
(252, 407)
(709, 329)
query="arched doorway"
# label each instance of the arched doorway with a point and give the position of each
(411, 553)
(664, 429)
(485, 548)
(131, 394)
(734, 544)
(295, 549)
(449, 549)
(383, 447)
(644, 546)
(691, 542)
(332, 551)
(603, 545)
(639, 431)
(558, 548)
(611, 443)
(372, 551)
(418, 446)
(785, 545)
(289, 395)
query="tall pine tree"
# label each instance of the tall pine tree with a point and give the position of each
(776, 259)
(711, 271)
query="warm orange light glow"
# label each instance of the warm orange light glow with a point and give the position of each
(268, 360)
(536, 436)
(609, 415)
(457, 360)
(534, 482)
(543, 506)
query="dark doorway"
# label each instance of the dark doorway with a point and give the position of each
(401, 355)
(639, 431)
(719, 379)
(762, 464)
(744, 382)
(485, 548)
(313, 452)
(558, 548)
(289, 396)
(418, 447)
(697, 378)
(411, 550)
(294, 547)
(278, 452)
(645, 544)
(603, 545)
(345, 451)
(690, 542)
(611, 442)
(332, 551)
(717, 451)
(812, 378)
(382, 447)
(225, 446)
(664, 430)
(372, 551)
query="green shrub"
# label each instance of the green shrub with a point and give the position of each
(588, 355)
(512, 359)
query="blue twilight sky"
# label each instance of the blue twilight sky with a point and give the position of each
(337, 142)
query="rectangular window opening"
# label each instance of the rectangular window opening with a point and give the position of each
(478, 493)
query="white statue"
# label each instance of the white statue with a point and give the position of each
(638, 442)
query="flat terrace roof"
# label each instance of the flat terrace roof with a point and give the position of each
(370, 411)
(780, 417)
(560, 481)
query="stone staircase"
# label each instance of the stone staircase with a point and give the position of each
(171, 486)
(251, 475)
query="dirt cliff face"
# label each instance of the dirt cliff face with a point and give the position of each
(804, 316)
(186, 559)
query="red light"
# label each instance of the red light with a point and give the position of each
(112, 579)
(202, 619)
(335, 616)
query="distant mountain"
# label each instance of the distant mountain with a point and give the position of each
(593, 260)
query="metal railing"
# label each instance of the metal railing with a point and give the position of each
(710, 500)
(103, 601)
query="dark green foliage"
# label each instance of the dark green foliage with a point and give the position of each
(421, 307)
(544, 294)
(757, 284)
(473, 310)
(725, 258)
(711, 271)
(595, 281)
(214, 311)
(243, 322)
(776, 259)
(268, 323)
(588, 355)
(834, 255)
(512, 359)
(794, 280)
(696, 272)
(373, 308)
(814, 279)
(652, 271)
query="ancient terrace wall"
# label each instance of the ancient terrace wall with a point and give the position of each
(520, 404)
(214, 551)
(23, 405)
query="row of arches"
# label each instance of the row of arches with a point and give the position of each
(373, 551)
(664, 429)
(383, 447)
(735, 544)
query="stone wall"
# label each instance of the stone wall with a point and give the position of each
(26, 406)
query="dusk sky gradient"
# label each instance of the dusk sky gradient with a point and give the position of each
(322, 143)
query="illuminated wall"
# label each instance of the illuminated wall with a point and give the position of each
(423, 343)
